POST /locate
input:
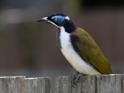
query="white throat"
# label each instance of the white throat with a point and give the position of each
(72, 56)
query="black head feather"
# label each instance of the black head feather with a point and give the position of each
(61, 20)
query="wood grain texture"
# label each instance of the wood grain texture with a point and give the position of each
(109, 84)
(37, 85)
(88, 84)
(62, 84)
(12, 84)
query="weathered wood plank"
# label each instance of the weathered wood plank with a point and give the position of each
(62, 84)
(88, 84)
(37, 85)
(12, 84)
(109, 84)
(122, 83)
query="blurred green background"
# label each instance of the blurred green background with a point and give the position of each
(30, 48)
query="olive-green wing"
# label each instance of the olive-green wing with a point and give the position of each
(89, 51)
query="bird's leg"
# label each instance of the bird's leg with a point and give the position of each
(76, 78)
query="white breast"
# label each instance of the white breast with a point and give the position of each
(72, 56)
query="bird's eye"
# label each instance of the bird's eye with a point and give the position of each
(58, 19)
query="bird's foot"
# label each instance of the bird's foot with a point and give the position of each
(76, 79)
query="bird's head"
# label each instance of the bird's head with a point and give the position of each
(59, 20)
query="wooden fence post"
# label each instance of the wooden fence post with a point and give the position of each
(62, 84)
(12, 84)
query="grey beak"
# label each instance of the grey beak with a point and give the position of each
(42, 19)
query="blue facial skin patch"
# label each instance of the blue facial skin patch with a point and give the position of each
(58, 19)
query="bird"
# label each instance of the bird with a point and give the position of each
(78, 47)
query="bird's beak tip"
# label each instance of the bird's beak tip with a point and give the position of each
(42, 19)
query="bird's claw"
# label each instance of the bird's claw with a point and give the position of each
(75, 79)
